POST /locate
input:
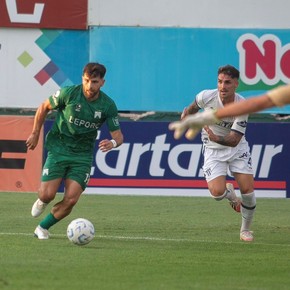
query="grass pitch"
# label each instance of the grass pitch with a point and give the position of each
(146, 243)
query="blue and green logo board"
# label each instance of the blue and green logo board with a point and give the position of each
(160, 69)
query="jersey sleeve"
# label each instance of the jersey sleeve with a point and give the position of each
(240, 124)
(112, 118)
(199, 99)
(57, 100)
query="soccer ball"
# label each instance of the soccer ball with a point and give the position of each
(80, 231)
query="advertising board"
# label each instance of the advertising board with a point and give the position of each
(152, 162)
(65, 14)
(20, 168)
(148, 69)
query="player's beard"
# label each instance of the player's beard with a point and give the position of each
(91, 95)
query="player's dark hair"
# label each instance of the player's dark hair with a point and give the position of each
(230, 71)
(94, 69)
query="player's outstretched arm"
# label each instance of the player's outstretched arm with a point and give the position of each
(191, 125)
(246, 107)
(279, 96)
(39, 119)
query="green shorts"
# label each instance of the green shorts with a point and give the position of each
(73, 167)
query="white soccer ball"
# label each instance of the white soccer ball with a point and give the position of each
(80, 231)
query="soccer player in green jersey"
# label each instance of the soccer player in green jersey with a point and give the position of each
(81, 111)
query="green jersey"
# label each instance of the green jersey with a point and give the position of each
(77, 122)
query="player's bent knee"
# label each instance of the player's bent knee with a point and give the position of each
(45, 195)
(218, 197)
(71, 202)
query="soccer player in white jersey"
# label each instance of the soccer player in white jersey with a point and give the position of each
(226, 149)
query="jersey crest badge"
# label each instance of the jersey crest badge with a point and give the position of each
(55, 96)
(78, 107)
(243, 124)
(116, 121)
(98, 114)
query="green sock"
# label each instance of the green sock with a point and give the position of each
(48, 221)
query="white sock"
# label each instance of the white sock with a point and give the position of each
(247, 210)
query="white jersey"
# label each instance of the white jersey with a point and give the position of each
(210, 100)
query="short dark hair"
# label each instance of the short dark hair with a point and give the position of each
(94, 69)
(230, 71)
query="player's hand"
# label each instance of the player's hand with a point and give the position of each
(105, 145)
(192, 124)
(180, 127)
(32, 141)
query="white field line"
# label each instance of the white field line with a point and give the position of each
(128, 238)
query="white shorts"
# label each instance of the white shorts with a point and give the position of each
(220, 162)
